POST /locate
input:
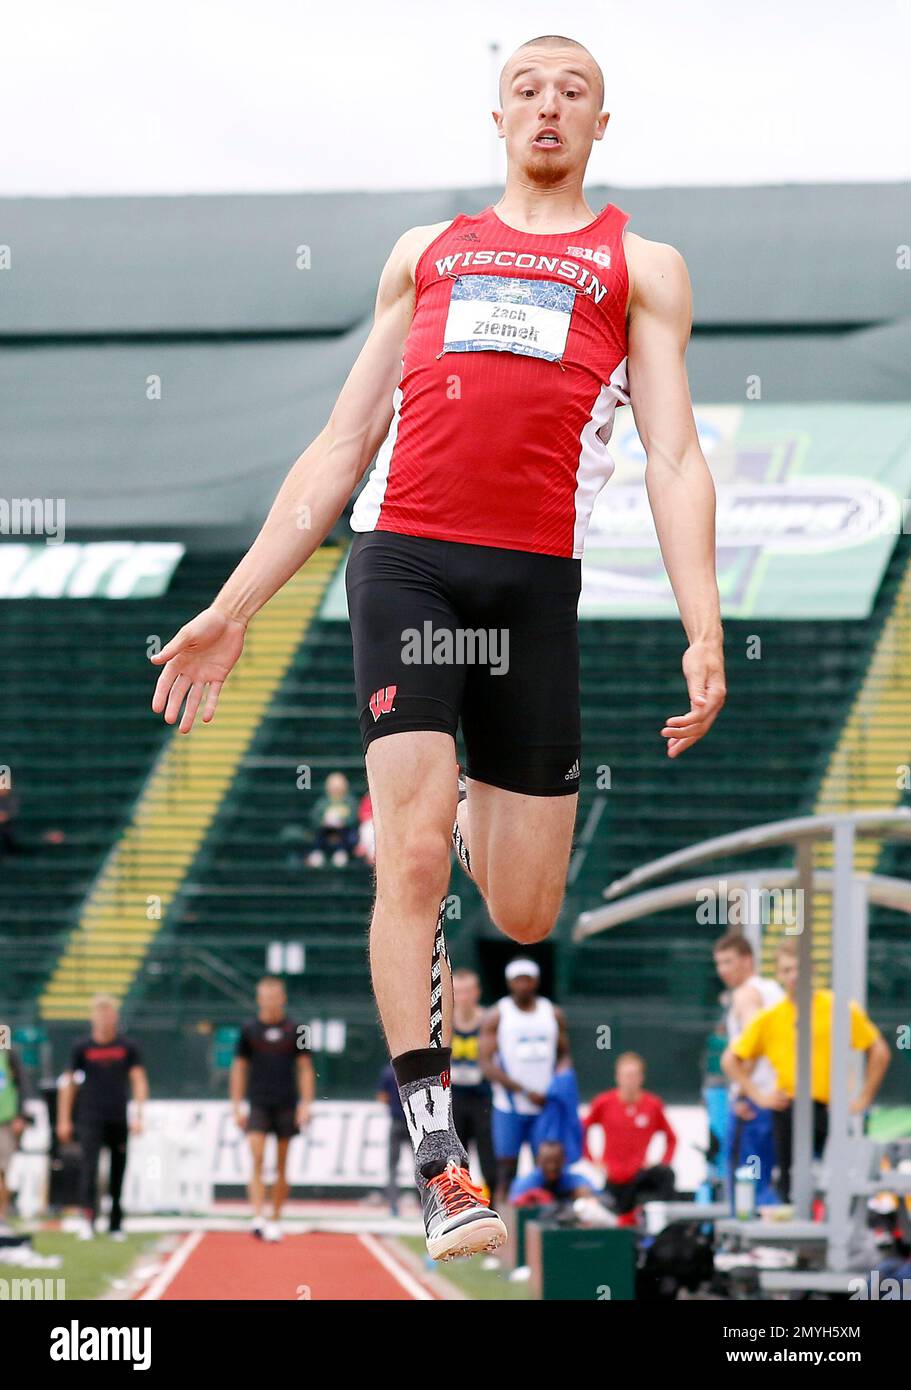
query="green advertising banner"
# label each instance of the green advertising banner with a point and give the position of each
(95, 569)
(810, 501)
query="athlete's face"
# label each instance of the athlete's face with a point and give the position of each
(733, 968)
(466, 992)
(104, 1020)
(270, 1000)
(629, 1076)
(523, 988)
(550, 1160)
(787, 974)
(337, 786)
(551, 112)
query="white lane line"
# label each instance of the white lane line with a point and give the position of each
(173, 1267)
(398, 1271)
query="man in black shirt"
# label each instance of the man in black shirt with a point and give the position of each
(105, 1067)
(273, 1070)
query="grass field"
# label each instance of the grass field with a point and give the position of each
(468, 1276)
(87, 1267)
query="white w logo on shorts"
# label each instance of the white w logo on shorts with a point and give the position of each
(427, 1112)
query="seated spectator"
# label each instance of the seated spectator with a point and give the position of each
(9, 811)
(335, 820)
(552, 1180)
(629, 1116)
(366, 838)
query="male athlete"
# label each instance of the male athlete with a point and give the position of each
(471, 1093)
(105, 1071)
(273, 1072)
(523, 1040)
(749, 1130)
(502, 344)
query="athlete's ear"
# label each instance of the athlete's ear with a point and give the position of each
(601, 125)
(498, 122)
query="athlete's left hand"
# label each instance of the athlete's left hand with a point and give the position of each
(703, 667)
(303, 1114)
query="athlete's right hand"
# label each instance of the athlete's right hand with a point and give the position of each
(203, 653)
(775, 1099)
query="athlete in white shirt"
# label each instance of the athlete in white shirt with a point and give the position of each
(749, 1134)
(523, 1043)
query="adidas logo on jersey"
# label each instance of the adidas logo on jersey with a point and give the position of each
(573, 772)
(468, 236)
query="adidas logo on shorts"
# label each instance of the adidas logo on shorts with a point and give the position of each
(573, 772)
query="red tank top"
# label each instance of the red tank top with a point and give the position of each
(512, 370)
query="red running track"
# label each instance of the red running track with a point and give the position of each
(322, 1265)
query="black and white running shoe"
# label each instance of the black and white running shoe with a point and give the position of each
(458, 1220)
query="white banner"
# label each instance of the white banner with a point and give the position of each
(190, 1148)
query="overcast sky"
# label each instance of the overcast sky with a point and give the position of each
(115, 96)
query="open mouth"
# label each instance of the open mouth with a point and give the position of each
(547, 140)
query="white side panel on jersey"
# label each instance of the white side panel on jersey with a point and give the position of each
(595, 463)
(366, 511)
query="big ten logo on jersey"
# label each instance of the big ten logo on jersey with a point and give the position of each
(427, 1111)
(599, 254)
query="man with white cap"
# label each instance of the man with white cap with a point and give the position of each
(523, 1040)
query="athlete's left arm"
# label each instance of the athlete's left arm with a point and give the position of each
(306, 1088)
(564, 1056)
(681, 492)
(139, 1085)
(878, 1058)
(746, 1003)
(664, 1126)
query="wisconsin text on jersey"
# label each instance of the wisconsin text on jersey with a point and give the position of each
(552, 265)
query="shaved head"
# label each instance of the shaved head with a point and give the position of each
(588, 69)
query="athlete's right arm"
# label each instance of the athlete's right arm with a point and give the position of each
(487, 1052)
(313, 495)
(66, 1097)
(308, 504)
(237, 1088)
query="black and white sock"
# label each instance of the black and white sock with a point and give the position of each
(426, 1095)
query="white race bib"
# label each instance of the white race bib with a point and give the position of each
(495, 313)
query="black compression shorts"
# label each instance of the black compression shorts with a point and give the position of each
(280, 1120)
(445, 632)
